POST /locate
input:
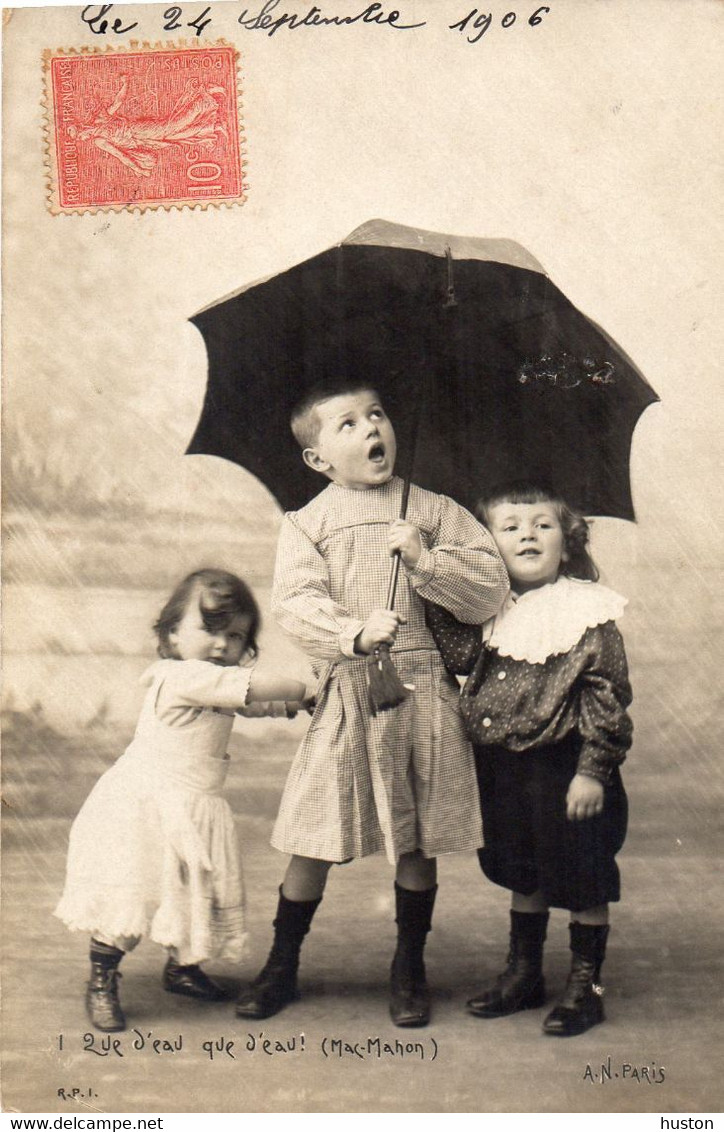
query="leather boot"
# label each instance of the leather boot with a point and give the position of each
(409, 992)
(521, 985)
(101, 996)
(582, 1004)
(276, 984)
(190, 981)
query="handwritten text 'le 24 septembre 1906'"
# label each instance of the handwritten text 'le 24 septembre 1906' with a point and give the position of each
(270, 18)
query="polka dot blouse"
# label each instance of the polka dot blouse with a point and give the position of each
(524, 706)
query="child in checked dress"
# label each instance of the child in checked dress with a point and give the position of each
(400, 781)
(154, 850)
(545, 705)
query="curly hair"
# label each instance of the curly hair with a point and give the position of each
(221, 597)
(578, 562)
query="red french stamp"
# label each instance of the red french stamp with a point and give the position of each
(147, 127)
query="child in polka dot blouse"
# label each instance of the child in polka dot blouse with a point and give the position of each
(545, 706)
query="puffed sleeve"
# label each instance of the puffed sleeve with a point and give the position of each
(301, 601)
(462, 571)
(459, 645)
(605, 694)
(198, 684)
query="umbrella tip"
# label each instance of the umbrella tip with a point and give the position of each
(450, 300)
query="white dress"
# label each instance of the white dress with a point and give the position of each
(153, 851)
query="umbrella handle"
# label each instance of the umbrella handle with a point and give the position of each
(395, 571)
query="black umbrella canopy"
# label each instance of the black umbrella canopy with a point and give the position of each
(487, 371)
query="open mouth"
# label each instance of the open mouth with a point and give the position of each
(376, 453)
(528, 553)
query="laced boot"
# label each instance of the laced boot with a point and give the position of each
(521, 985)
(191, 981)
(409, 992)
(276, 984)
(582, 1004)
(101, 996)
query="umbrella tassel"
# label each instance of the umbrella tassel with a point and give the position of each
(385, 687)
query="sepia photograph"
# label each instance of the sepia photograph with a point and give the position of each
(361, 554)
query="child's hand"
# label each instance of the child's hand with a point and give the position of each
(380, 628)
(584, 798)
(405, 537)
(293, 707)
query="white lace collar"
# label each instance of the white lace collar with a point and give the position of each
(551, 620)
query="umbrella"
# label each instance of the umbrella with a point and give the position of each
(488, 372)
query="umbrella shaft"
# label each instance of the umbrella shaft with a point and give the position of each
(395, 571)
(394, 575)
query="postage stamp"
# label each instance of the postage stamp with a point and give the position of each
(151, 126)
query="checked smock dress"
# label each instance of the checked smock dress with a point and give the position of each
(153, 850)
(403, 779)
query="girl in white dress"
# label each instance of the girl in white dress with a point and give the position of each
(154, 850)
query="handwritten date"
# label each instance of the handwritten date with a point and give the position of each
(102, 20)
(95, 16)
(477, 23)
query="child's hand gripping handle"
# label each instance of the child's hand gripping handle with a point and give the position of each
(386, 688)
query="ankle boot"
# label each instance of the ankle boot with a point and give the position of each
(190, 981)
(582, 1004)
(521, 985)
(276, 984)
(101, 996)
(409, 993)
